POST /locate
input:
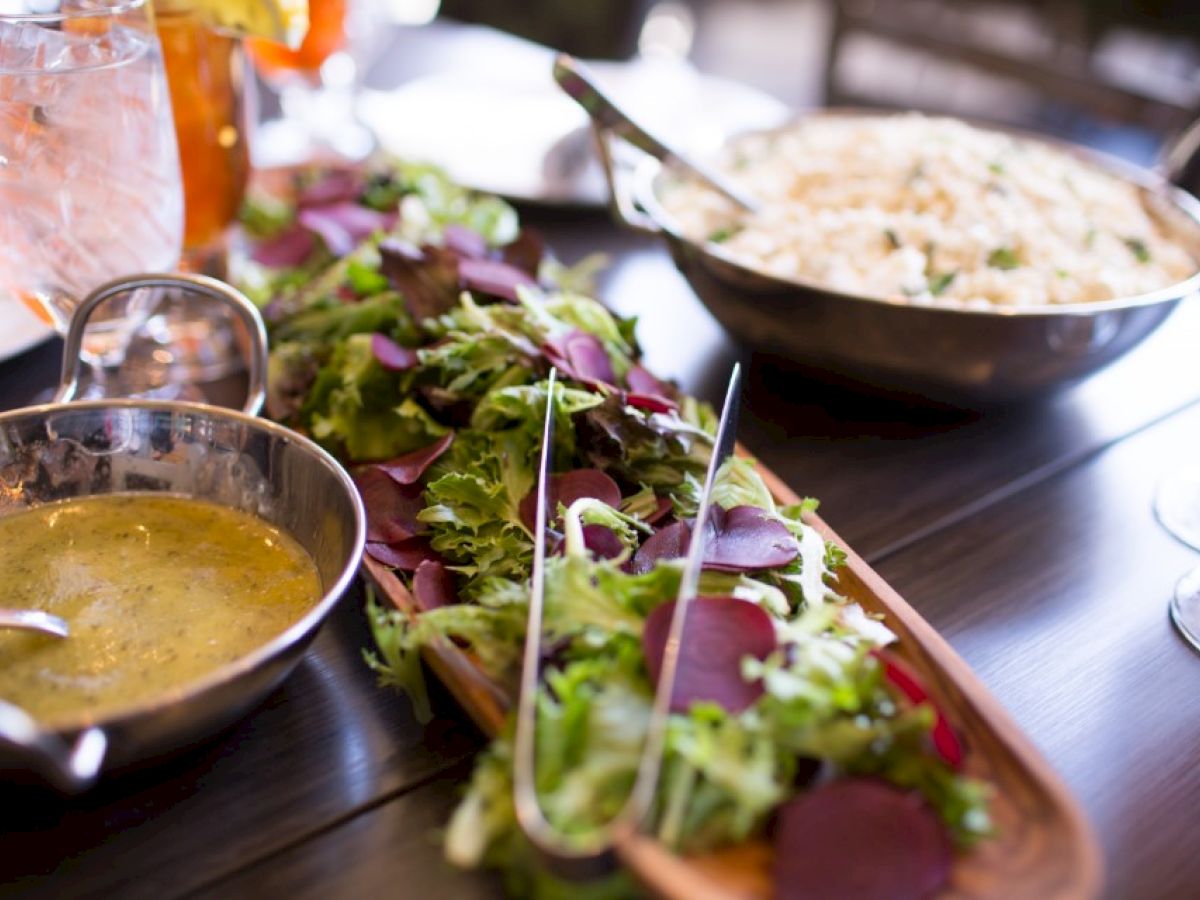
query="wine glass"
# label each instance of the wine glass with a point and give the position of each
(191, 341)
(1177, 505)
(89, 170)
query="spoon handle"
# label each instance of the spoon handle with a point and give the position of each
(34, 620)
(579, 84)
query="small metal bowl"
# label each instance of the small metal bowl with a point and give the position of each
(66, 449)
(960, 356)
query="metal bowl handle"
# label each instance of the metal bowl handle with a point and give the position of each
(239, 303)
(69, 767)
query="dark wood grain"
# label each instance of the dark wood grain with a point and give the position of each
(328, 743)
(1057, 598)
(393, 851)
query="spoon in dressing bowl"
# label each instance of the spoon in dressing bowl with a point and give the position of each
(34, 620)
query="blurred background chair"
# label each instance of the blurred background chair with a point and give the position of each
(1119, 75)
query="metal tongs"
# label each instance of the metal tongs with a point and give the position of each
(595, 852)
(609, 119)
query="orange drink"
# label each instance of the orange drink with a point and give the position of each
(326, 35)
(204, 76)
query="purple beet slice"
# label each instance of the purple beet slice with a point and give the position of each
(640, 380)
(391, 355)
(409, 468)
(718, 634)
(492, 277)
(433, 586)
(745, 539)
(391, 508)
(405, 555)
(342, 226)
(569, 487)
(602, 541)
(661, 511)
(651, 402)
(465, 241)
(859, 838)
(905, 680)
(288, 248)
(669, 542)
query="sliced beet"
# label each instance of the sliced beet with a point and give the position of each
(651, 402)
(465, 241)
(741, 539)
(433, 586)
(718, 634)
(409, 468)
(342, 226)
(905, 680)
(745, 539)
(391, 507)
(391, 355)
(669, 542)
(333, 186)
(569, 487)
(405, 555)
(289, 248)
(663, 509)
(602, 541)
(859, 838)
(640, 380)
(490, 276)
(594, 483)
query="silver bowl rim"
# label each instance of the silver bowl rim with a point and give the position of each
(647, 174)
(295, 633)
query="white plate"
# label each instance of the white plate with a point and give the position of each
(20, 329)
(511, 131)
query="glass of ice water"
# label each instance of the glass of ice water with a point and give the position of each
(89, 169)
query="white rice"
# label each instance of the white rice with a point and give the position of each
(929, 210)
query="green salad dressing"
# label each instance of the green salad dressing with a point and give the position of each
(158, 592)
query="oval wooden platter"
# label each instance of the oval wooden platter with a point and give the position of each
(1044, 846)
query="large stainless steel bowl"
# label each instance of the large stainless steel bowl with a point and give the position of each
(66, 449)
(956, 355)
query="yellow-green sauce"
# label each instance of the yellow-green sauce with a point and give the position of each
(158, 592)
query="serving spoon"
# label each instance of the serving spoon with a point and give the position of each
(34, 620)
(607, 118)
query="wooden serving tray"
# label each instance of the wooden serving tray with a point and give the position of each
(1044, 846)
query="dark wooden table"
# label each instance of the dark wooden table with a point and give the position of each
(1025, 535)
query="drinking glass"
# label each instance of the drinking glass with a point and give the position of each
(192, 341)
(89, 171)
(1177, 505)
(317, 84)
(205, 80)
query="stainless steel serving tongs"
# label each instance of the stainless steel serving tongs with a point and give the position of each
(609, 120)
(596, 852)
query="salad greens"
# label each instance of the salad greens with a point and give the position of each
(432, 339)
